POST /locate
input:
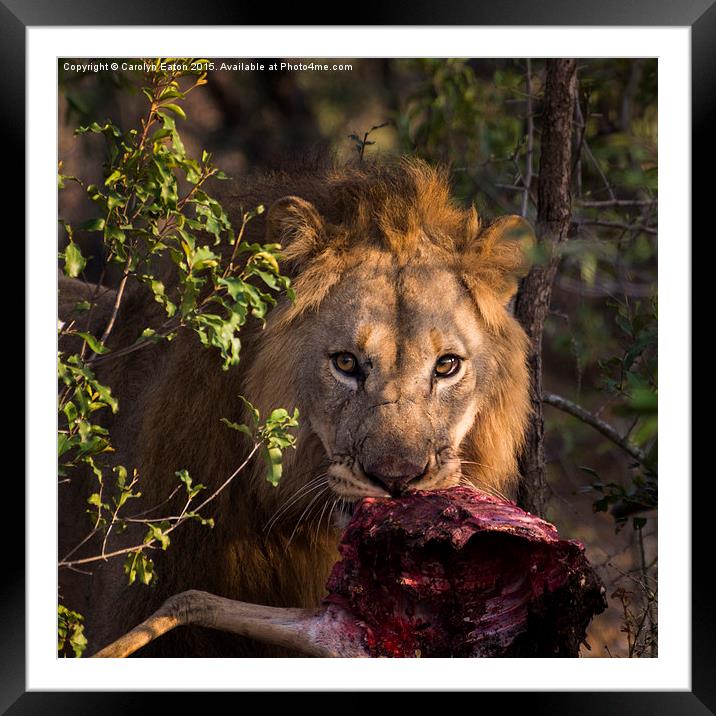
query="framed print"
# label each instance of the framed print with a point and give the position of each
(261, 193)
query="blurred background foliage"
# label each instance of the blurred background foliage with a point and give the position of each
(482, 117)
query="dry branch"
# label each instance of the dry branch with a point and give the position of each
(624, 226)
(530, 140)
(597, 423)
(611, 203)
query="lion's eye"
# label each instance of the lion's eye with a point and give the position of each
(346, 363)
(446, 366)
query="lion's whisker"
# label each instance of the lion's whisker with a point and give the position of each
(308, 516)
(303, 491)
(343, 507)
(288, 503)
(485, 487)
(328, 522)
(491, 489)
(303, 514)
(291, 498)
(320, 518)
(287, 508)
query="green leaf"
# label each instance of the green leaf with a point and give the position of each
(238, 426)
(74, 261)
(161, 134)
(70, 411)
(113, 178)
(171, 93)
(191, 287)
(93, 342)
(157, 289)
(268, 278)
(191, 489)
(70, 632)
(63, 443)
(253, 412)
(114, 233)
(279, 415)
(204, 258)
(106, 396)
(176, 109)
(274, 467)
(235, 286)
(121, 473)
(155, 532)
(95, 500)
(209, 522)
(138, 566)
(150, 335)
(92, 225)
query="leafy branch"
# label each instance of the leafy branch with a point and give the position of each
(154, 211)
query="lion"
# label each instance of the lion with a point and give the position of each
(400, 352)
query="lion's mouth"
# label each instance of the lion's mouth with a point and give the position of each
(351, 482)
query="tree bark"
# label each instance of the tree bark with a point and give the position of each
(554, 211)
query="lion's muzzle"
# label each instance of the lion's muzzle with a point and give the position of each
(395, 449)
(394, 475)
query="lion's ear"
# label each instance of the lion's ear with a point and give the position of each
(295, 224)
(500, 254)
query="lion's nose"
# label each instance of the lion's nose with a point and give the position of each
(394, 475)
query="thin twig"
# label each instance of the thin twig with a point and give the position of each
(156, 507)
(117, 507)
(73, 550)
(140, 345)
(530, 141)
(117, 302)
(180, 519)
(108, 555)
(518, 187)
(230, 478)
(606, 288)
(581, 123)
(92, 302)
(597, 423)
(616, 225)
(608, 203)
(237, 243)
(599, 169)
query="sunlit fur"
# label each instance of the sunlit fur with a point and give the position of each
(349, 228)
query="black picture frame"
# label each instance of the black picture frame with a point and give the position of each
(699, 15)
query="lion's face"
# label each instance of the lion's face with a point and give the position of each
(408, 371)
(397, 365)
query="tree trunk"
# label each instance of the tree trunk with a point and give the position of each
(533, 298)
